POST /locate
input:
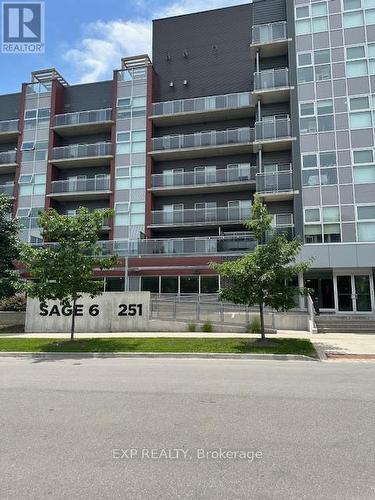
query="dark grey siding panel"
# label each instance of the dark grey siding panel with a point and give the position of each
(277, 157)
(88, 96)
(10, 106)
(274, 62)
(85, 139)
(269, 11)
(201, 126)
(189, 200)
(218, 162)
(278, 108)
(217, 58)
(90, 172)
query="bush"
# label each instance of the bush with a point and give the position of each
(192, 327)
(207, 327)
(254, 325)
(15, 303)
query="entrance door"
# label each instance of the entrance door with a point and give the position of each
(354, 293)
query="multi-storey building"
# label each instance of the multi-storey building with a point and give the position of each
(273, 97)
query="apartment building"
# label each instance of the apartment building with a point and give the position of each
(273, 97)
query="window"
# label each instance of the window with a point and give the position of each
(366, 231)
(189, 284)
(319, 9)
(27, 146)
(355, 52)
(356, 68)
(367, 212)
(309, 161)
(325, 122)
(308, 125)
(353, 19)
(331, 214)
(209, 284)
(360, 119)
(169, 284)
(121, 208)
(364, 174)
(327, 159)
(363, 156)
(307, 109)
(312, 215)
(150, 284)
(319, 24)
(25, 179)
(328, 176)
(313, 233)
(359, 103)
(302, 12)
(322, 72)
(23, 212)
(325, 107)
(352, 4)
(303, 27)
(305, 74)
(322, 56)
(304, 59)
(370, 16)
(310, 178)
(134, 142)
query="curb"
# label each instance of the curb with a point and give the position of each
(155, 355)
(320, 350)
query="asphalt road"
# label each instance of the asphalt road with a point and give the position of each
(302, 430)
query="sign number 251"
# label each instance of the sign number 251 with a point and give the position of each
(130, 310)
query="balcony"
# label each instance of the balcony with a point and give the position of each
(200, 217)
(276, 185)
(81, 189)
(236, 177)
(8, 162)
(273, 133)
(203, 144)
(198, 109)
(270, 39)
(9, 130)
(236, 244)
(272, 85)
(81, 155)
(7, 189)
(83, 122)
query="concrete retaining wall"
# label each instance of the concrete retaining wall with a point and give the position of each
(12, 318)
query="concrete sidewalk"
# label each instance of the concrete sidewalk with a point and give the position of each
(342, 343)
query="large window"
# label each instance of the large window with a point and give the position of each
(323, 122)
(366, 223)
(322, 224)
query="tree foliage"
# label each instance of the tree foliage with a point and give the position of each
(64, 270)
(264, 277)
(9, 249)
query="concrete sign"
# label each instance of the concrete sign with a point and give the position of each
(109, 312)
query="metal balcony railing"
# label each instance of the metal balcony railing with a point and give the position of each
(271, 79)
(81, 185)
(180, 246)
(201, 104)
(7, 157)
(82, 151)
(274, 182)
(84, 117)
(204, 139)
(272, 128)
(271, 32)
(192, 216)
(9, 126)
(7, 189)
(233, 173)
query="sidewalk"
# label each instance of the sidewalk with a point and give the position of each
(342, 343)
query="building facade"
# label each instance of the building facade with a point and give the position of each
(273, 97)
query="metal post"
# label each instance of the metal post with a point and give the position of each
(126, 277)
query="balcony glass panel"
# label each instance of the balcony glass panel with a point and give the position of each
(7, 189)
(270, 79)
(7, 157)
(272, 128)
(9, 126)
(205, 175)
(200, 104)
(83, 117)
(203, 139)
(266, 33)
(200, 215)
(81, 185)
(274, 182)
(82, 150)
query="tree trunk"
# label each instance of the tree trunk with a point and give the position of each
(261, 314)
(73, 320)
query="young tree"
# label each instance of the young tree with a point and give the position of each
(264, 276)
(63, 270)
(9, 249)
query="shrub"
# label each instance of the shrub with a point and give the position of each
(15, 303)
(254, 325)
(207, 327)
(192, 327)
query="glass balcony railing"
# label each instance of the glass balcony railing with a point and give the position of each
(84, 117)
(266, 33)
(81, 185)
(204, 139)
(202, 104)
(9, 126)
(274, 182)
(241, 172)
(7, 189)
(82, 151)
(271, 79)
(7, 157)
(272, 128)
(200, 215)
(180, 246)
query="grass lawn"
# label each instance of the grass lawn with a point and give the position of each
(157, 344)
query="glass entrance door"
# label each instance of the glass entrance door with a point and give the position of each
(354, 293)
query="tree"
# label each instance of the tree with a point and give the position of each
(264, 276)
(63, 270)
(9, 249)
